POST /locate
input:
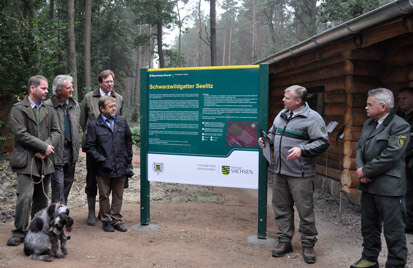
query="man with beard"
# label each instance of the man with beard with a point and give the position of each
(36, 133)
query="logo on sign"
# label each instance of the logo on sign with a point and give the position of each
(157, 167)
(226, 170)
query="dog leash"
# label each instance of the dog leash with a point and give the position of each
(42, 176)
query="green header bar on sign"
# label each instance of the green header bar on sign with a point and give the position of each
(206, 68)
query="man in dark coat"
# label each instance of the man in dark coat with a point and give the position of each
(109, 143)
(36, 133)
(380, 169)
(89, 112)
(406, 112)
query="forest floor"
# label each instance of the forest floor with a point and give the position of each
(198, 227)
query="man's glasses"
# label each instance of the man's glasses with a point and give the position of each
(108, 82)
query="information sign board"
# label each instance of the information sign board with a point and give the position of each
(201, 125)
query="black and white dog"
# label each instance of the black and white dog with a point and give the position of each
(47, 227)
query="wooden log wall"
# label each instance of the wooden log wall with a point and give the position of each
(379, 56)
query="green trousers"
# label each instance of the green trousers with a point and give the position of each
(388, 212)
(31, 198)
(288, 192)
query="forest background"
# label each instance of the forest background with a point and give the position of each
(84, 37)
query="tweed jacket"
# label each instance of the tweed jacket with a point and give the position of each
(381, 153)
(29, 138)
(73, 111)
(90, 109)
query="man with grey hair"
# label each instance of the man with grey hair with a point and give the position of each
(67, 151)
(380, 169)
(109, 144)
(299, 135)
(36, 134)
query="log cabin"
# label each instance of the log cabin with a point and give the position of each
(338, 67)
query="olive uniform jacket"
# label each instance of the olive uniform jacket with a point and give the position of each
(73, 112)
(31, 137)
(381, 152)
(90, 109)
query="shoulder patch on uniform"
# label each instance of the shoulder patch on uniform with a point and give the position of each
(323, 129)
(402, 140)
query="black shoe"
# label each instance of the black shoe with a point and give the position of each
(309, 255)
(281, 249)
(120, 227)
(408, 230)
(107, 227)
(15, 241)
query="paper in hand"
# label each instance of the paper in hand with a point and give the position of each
(267, 149)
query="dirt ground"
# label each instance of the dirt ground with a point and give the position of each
(198, 227)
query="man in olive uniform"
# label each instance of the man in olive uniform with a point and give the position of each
(380, 169)
(406, 112)
(89, 112)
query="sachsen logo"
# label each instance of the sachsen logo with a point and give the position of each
(226, 170)
(237, 170)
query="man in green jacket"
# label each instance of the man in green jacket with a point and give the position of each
(380, 169)
(89, 112)
(67, 150)
(36, 134)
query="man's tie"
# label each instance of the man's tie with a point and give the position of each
(67, 133)
(110, 121)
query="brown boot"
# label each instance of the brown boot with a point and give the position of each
(281, 249)
(91, 218)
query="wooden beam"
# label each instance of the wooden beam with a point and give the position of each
(349, 190)
(329, 172)
(369, 53)
(397, 75)
(316, 54)
(335, 70)
(314, 65)
(384, 32)
(401, 56)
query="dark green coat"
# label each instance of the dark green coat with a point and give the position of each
(73, 110)
(30, 139)
(381, 152)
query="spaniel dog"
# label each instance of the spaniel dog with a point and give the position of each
(47, 227)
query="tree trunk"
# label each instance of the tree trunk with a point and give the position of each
(224, 49)
(159, 36)
(180, 31)
(305, 16)
(254, 49)
(213, 27)
(198, 51)
(51, 10)
(72, 46)
(151, 48)
(230, 41)
(88, 22)
(136, 93)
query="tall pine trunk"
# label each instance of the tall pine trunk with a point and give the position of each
(213, 26)
(72, 42)
(88, 22)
